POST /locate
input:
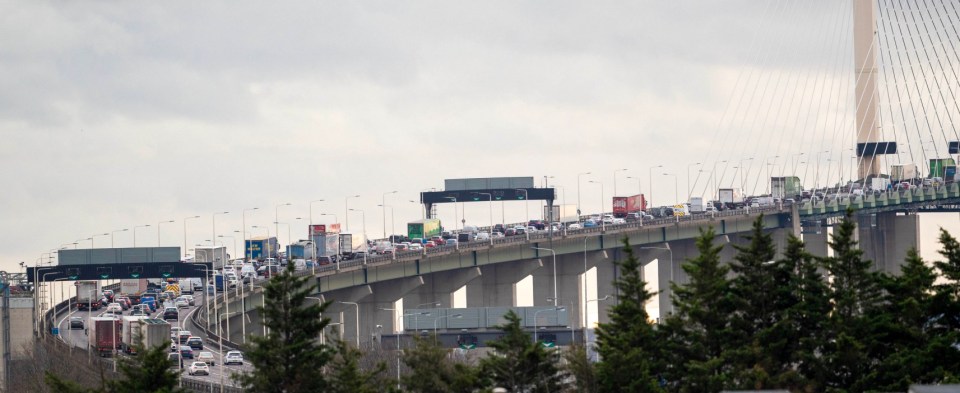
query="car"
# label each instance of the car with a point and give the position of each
(483, 236)
(430, 244)
(186, 352)
(532, 229)
(175, 360)
(124, 302)
(112, 314)
(607, 220)
(190, 300)
(76, 323)
(617, 221)
(233, 357)
(574, 226)
(416, 247)
(199, 368)
(182, 303)
(207, 357)
(138, 312)
(183, 336)
(519, 230)
(229, 269)
(115, 307)
(387, 251)
(499, 228)
(452, 242)
(108, 294)
(438, 240)
(509, 232)
(195, 342)
(174, 333)
(589, 224)
(537, 224)
(171, 314)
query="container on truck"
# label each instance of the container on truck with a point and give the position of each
(346, 243)
(216, 254)
(950, 174)
(879, 183)
(103, 335)
(938, 166)
(130, 333)
(133, 286)
(303, 249)
(262, 248)
(561, 213)
(785, 186)
(155, 332)
(903, 172)
(731, 196)
(629, 204)
(696, 205)
(424, 229)
(88, 295)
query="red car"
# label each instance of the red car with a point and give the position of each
(430, 244)
(438, 240)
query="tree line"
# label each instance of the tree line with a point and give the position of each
(760, 321)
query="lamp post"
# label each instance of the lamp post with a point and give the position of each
(135, 232)
(440, 319)
(357, 306)
(158, 230)
(111, 235)
(185, 234)
(311, 209)
(689, 187)
(536, 330)
(615, 179)
(400, 325)
(672, 307)
(346, 209)
(366, 246)
(276, 219)
(246, 255)
(676, 193)
(490, 199)
(384, 206)
(578, 193)
(554, 271)
(650, 179)
(99, 234)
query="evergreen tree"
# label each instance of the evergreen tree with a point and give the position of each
(628, 344)
(701, 329)
(948, 299)
(289, 358)
(519, 364)
(148, 371)
(431, 370)
(852, 324)
(752, 337)
(579, 366)
(801, 292)
(346, 376)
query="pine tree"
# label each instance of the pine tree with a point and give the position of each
(148, 371)
(431, 370)
(579, 366)
(801, 292)
(288, 358)
(519, 364)
(346, 376)
(754, 316)
(852, 325)
(950, 268)
(628, 344)
(700, 330)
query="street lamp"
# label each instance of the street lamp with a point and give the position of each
(158, 230)
(689, 187)
(346, 208)
(185, 235)
(246, 255)
(99, 234)
(536, 330)
(311, 209)
(111, 235)
(676, 194)
(135, 232)
(276, 219)
(490, 198)
(554, 271)
(441, 319)
(615, 179)
(578, 193)
(650, 179)
(358, 319)
(384, 206)
(400, 324)
(672, 307)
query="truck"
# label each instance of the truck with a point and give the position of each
(763, 201)
(732, 197)
(346, 244)
(938, 166)
(218, 282)
(303, 249)
(262, 248)
(561, 213)
(785, 186)
(424, 229)
(155, 332)
(103, 335)
(696, 205)
(133, 286)
(88, 295)
(879, 183)
(903, 172)
(630, 204)
(130, 333)
(217, 255)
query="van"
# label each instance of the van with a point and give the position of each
(470, 229)
(483, 236)
(248, 270)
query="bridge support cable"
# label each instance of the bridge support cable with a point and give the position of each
(953, 49)
(923, 76)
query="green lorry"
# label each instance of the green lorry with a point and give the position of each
(424, 229)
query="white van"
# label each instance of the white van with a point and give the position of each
(483, 236)
(248, 270)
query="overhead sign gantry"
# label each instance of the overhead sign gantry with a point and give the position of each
(118, 263)
(486, 189)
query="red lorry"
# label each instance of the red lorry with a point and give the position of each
(631, 204)
(104, 335)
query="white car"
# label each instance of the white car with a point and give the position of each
(182, 303)
(619, 221)
(233, 357)
(416, 246)
(115, 307)
(199, 368)
(229, 269)
(574, 226)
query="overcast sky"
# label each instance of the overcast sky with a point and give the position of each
(118, 114)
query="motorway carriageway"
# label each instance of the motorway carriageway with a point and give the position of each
(78, 338)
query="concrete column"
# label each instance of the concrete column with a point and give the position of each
(607, 274)
(569, 282)
(669, 269)
(816, 243)
(382, 295)
(496, 286)
(439, 288)
(886, 237)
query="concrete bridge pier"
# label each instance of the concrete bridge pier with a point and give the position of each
(886, 237)
(439, 288)
(383, 295)
(815, 242)
(569, 283)
(497, 284)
